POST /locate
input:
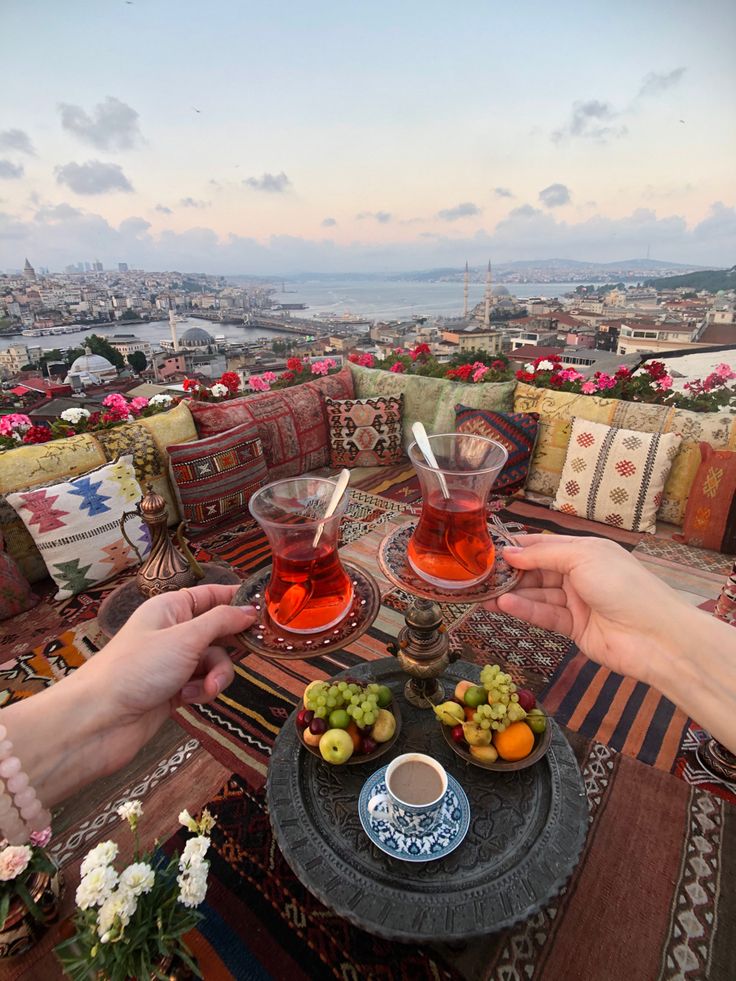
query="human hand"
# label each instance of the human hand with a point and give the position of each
(596, 593)
(170, 652)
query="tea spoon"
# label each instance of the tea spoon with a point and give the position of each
(420, 435)
(340, 486)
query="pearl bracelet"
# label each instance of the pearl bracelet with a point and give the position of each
(21, 812)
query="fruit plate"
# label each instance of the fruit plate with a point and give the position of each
(367, 757)
(541, 745)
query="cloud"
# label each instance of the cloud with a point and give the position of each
(328, 222)
(524, 211)
(163, 209)
(58, 212)
(502, 192)
(17, 140)
(463, 210)
(93, 177)
(382, 217)
(112, 124)
(591, 120)
(271, 183)
(656, 82)
(192, 203)
(554, 195)
(10, 171)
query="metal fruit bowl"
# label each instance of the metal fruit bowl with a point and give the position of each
(542, 741)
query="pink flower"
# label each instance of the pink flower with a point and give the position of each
(398, 368)
(116, 402)
(664, 383)
(13, 861)
(569, 375)
(138, 404)
(41, 838)
(16, 420)
(588, 388)
(259, 384)
(269, 376)
(366, 360)
(320, 368)
(725, 372)
(479, 372)
(606, 381)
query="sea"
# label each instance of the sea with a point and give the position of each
(372, 299)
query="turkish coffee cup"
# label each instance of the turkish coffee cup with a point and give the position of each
(416, 785)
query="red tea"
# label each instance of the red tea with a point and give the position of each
(451, 546)
(309, 590)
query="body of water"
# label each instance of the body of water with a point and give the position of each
(372, 299)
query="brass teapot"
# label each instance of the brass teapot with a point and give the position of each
(166, 568)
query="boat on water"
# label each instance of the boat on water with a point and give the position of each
(59, 329)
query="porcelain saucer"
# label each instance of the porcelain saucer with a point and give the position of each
(448, 834)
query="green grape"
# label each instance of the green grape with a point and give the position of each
(321, 700)
(320, 713)
(514, 698)
(373, 687)
(331, 701)
(368, 718)
(358, 713)
(342, 685)
(485, 724)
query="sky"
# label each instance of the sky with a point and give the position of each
(273, 138)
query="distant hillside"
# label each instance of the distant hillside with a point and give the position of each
(712, 280)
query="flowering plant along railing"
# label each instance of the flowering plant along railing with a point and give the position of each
(651, 383)
(473, 367)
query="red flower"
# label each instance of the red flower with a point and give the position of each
(94, 419)
(287, 376)
(420, 351)
(190, 384)
(398, 368)
(498, 365)
(231, 381)
(525, 376)
(656, 370)
(294, 364)
(37, 434)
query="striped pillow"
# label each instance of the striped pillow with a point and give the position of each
(216, 477)
(517, 431)
(615, 476)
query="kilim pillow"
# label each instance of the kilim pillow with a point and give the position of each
(710, 516)
(615, 476)
(517, 431)
(76, 525)
(365, 432)
(216, 477)
(15, 592)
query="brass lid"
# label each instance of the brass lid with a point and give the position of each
(152, 504)
(423, 615)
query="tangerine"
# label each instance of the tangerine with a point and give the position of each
(515, 742)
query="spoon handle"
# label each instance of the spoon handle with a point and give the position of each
(340, 485)
(420, 435)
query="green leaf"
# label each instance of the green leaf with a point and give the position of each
(4, 907)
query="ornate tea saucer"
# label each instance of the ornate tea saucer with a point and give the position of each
(445, 838)
(394, 563)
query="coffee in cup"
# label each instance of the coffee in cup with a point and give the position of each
(416, 785)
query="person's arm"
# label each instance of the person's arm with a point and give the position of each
(95, 720)
(626, 619)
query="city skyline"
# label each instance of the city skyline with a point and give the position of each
(337, 139)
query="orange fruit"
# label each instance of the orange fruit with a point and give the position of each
(514, 743)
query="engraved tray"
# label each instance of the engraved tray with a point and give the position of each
(526, 834)
(393, 562)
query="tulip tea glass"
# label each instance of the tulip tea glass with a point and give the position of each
(451, 547)
(309, 591)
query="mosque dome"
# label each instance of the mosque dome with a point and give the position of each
(500, 291)
(92, 364)
(196, 337)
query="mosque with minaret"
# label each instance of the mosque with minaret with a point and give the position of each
(474, 331)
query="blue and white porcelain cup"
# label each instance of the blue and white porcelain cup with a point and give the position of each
(410, 818)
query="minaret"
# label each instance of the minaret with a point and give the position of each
(487, 317)
(28, 271)
(172, 324)
(465, 291)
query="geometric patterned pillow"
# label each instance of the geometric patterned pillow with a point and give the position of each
(76, 525)
(710, 516)
(615, 476)
(216, 477)
(15, 592)
(517, 431)
(365, 432)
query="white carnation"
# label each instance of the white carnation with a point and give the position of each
(115, 914)
(103, 854)
(74, 415)
(545, 365)
(137, 878)
(530, 368)
(194, 852)
(160, 399)
(219, 390)
(187, 820)
(96, 887)
(193, 885)
(130, 811)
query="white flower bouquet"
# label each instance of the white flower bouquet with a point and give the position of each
(129, 923)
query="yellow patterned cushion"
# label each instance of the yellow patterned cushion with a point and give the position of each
(33, 466)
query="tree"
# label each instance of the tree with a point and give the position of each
(137, 361)
(98, 345)
(129, 315)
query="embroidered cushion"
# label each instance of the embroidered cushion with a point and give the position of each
(291, 423)
(365, 432)
(216, 477)
(15, 592)
(517, 431)
(615, 476)
(76, 525)
(710, 516)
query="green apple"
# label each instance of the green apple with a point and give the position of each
(384, 727)
(475, 696)
(385, 696)
(339, 719)
(336, 746)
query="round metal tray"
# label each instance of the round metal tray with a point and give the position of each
(393, 562)
(527, 830)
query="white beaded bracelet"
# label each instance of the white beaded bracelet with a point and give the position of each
(21, 812)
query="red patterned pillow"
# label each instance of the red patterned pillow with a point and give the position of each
(216, 477)
(291, 422)
(16, 595)
(365, 432)
(517, 431)
(710, 515)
